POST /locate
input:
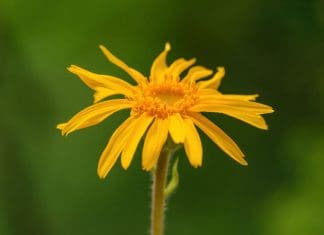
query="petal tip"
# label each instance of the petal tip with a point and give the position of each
(197, 165)
(167, 46)
(193, 60)
(124, 164)
(145, 168)
(101, 174)
(105, 50)
(102, 47)
(243, 162)
(255, 96)
(70, 68)
(265, 127)
(221, 69)
(101, 177)
(61, 127)
(73, 68)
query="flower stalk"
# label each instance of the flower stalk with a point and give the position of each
(158, 197)
(161, 190)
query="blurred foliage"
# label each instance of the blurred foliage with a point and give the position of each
(48, 184)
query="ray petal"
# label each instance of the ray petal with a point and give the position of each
(159, 65)
(114, 147)
(215, 81)
(93, 115)
(180, 65)
(154, 141)
(97, 81)
(213, 102)
(197, 72)
(138, 131)
(210, 94)
(219, 137)
(102, 93)
(245, 115)
(252, 119)
(177, 128)
(243, 97)
(137, 76)
(192, 144)
(237, 106)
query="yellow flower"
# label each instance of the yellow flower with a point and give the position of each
(163, 104)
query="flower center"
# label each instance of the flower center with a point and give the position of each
(168, 95)
(165, 99)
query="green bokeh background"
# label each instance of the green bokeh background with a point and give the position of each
(48, 183)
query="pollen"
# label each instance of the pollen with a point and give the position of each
(164, 99)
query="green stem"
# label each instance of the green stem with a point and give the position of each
(158, 197)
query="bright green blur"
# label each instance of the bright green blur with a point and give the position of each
(48, 183)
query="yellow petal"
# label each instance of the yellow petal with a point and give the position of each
(137, 76)
(219, 137)
(192, 144)
(94, 81)
(154, 141)
(236, 106)
(210, 94)
(249, 117)
(207, 92)
(159, 65)
(235, 101)
(134, 138)
(213, 102)
(243, 97)
(196, 73)
(215, 81)
(177, 129)
(114, 147)
(254, 120)
(178, 66)
(102, 93)
(93, 115)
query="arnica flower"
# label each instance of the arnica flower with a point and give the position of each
(161, 105)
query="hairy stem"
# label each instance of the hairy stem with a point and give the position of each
(158, 197)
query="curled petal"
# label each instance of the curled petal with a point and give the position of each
(215, 81)
(99, 81)
(196, 73)
(159, 65)
(137, 76)
(178, 66)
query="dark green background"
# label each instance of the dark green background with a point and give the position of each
(48, 183)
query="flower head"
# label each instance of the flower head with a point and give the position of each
(165, 104)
